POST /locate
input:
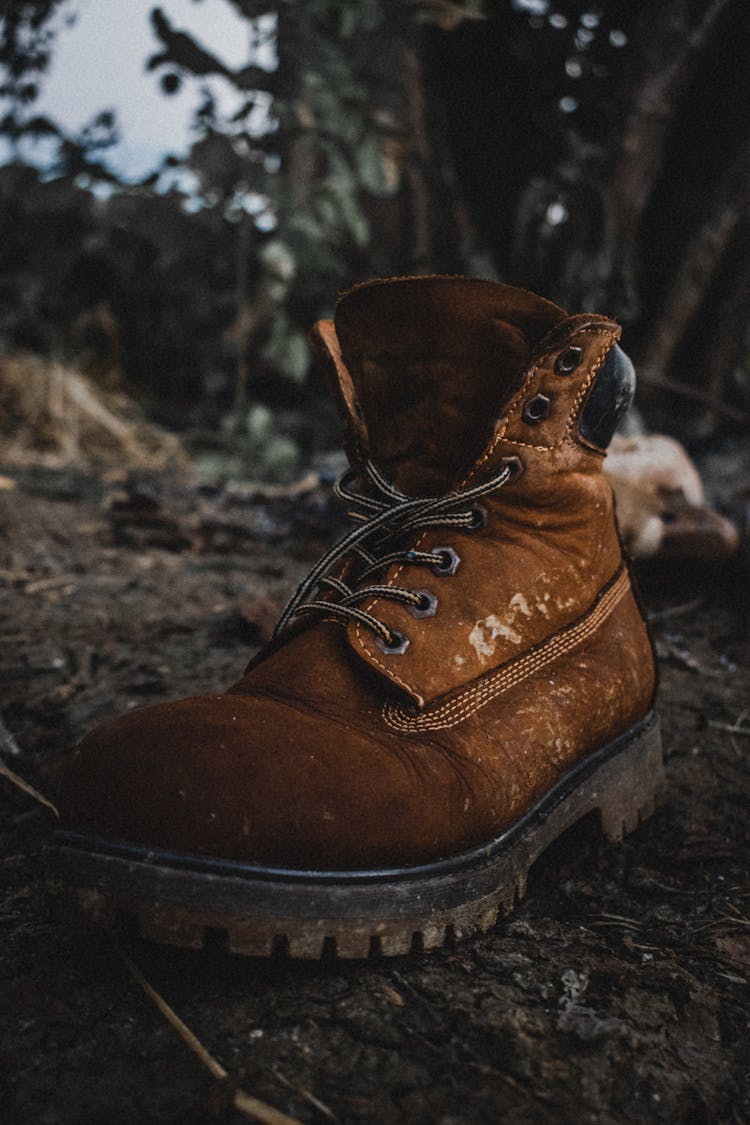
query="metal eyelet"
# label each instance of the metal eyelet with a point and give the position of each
(450, 564)
(567, 361)
(428, 606)
(515, 464)
(536, 410)
(399, 644)
(478, 518)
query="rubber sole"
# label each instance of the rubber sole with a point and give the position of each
(195, 902)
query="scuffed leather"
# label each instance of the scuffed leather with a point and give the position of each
(549, 544)
(296, 765)
(297, 768)
(433, 361)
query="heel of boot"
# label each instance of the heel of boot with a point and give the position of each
(631, 784)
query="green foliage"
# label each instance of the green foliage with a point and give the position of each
(317, 164)
(213, 293)
(286, 348)
(27, 35)
(372, 171)
(229, 281)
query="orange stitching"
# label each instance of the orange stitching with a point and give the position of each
(508, 677)
(388, 671)
(451, 714)
(573, 416)
(563, 642)
(454, 712)
(501, 432)
(610, 336)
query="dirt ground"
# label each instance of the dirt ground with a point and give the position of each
(618, 992)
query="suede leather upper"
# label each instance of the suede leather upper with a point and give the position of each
(419, 349)
(330, 754)
(433, 361)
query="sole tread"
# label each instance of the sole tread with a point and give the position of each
(348, 920)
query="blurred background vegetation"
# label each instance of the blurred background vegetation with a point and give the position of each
(598, 153)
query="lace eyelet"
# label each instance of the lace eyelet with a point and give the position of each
(567, 361)
(396, 647)
(478, 518)
(428, 606)
(514, 464)
(451, 561)
(536, 409)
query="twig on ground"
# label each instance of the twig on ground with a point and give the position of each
(732, 728)
(735, 921)
(43, 584)
(307, 1095)
(24, 786)
(245, 1103)
(615, 920)
(12, 577)
(9, 745)
(675, 611)
(669, 648)
(694, 394)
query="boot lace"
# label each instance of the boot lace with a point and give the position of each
(384, 514)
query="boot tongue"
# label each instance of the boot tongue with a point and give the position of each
(433, 361)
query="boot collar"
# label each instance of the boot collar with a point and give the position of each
(432, 363)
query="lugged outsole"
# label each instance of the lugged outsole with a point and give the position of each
(203, 904)
(286, 937)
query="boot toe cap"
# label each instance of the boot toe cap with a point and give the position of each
(249, 779)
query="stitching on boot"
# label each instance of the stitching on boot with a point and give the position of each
(611, 337)
(452, 713)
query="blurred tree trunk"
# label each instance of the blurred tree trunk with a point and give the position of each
(421, 224)
(678, 43)
(630, 198)
(671, 38)
(705, 251)
(725, 335)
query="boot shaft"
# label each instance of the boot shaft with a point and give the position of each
(442, 381)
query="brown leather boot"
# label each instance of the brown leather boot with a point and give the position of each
(464, 676)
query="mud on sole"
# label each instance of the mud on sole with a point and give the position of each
(197, 902)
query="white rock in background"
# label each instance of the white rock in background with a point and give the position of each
(660, 502)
